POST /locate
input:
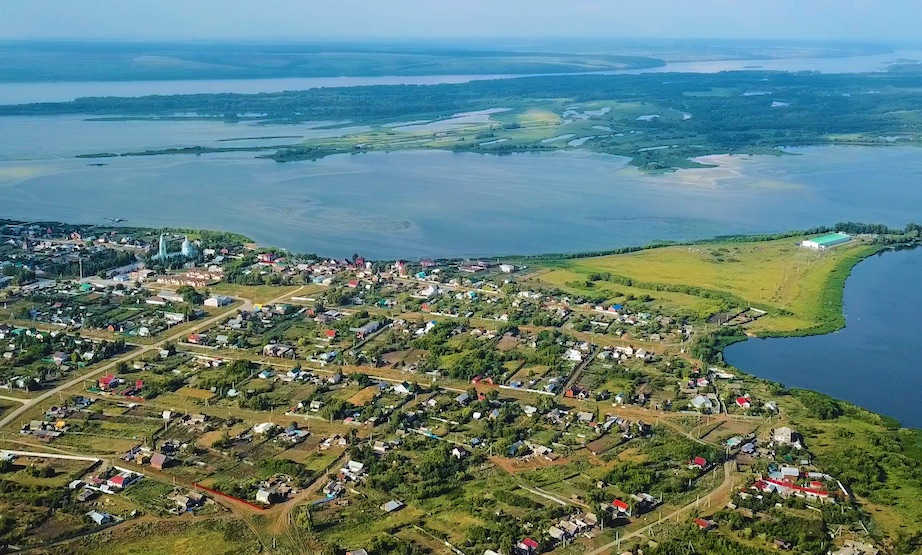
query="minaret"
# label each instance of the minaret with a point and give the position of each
(162, 255)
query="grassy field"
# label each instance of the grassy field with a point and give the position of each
(256, 293)
(169, 538)
(801, 289)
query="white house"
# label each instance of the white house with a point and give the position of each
(573, 355)
(702, 403)
(99, 518)
(265, 496)
(218, 301)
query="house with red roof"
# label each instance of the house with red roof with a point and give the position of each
(705, 524)
(330, 334)
(528, 546)
(787, 488)
(761, 485)
(576, 392)
(621, 507)
(743, 402)
(108, 381)
(119, 481)
(698, 462)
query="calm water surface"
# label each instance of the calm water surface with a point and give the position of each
(20, 93)
(876, 361)
(433, 203)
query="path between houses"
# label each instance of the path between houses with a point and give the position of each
(112, 363)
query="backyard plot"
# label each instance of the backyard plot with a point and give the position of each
(365, 396)
(195, 393)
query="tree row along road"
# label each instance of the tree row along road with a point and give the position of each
(112, 363)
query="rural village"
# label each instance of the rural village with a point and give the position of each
(369, 407)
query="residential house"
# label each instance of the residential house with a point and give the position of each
(573, 355)
(263, 428)
(119, 481)
(702, 403)
(705, 524)
(699, 463)
(391, 506)
(403, 389)
(86, 494)
(218, 301)
(158, 461)
(189, 501)
(266, 496)
(367, 329)
(353, 470)
(99, 518)
(787, 436)
(527, 546)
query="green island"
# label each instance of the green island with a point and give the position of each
(568, 404)
(102, 61)
(662, 121)
(67, 61)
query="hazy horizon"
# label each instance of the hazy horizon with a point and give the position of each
(404, 20)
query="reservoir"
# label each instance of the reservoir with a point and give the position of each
(875, 361)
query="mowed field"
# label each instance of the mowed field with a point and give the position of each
(258, 293)
(799, 287)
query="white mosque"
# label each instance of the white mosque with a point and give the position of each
(187, 250)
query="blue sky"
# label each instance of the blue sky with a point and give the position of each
(858, 20)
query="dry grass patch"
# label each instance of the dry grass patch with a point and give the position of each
(364, 396)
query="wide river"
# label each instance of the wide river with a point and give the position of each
(21, 93)
(875, 361)
(433, 203)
